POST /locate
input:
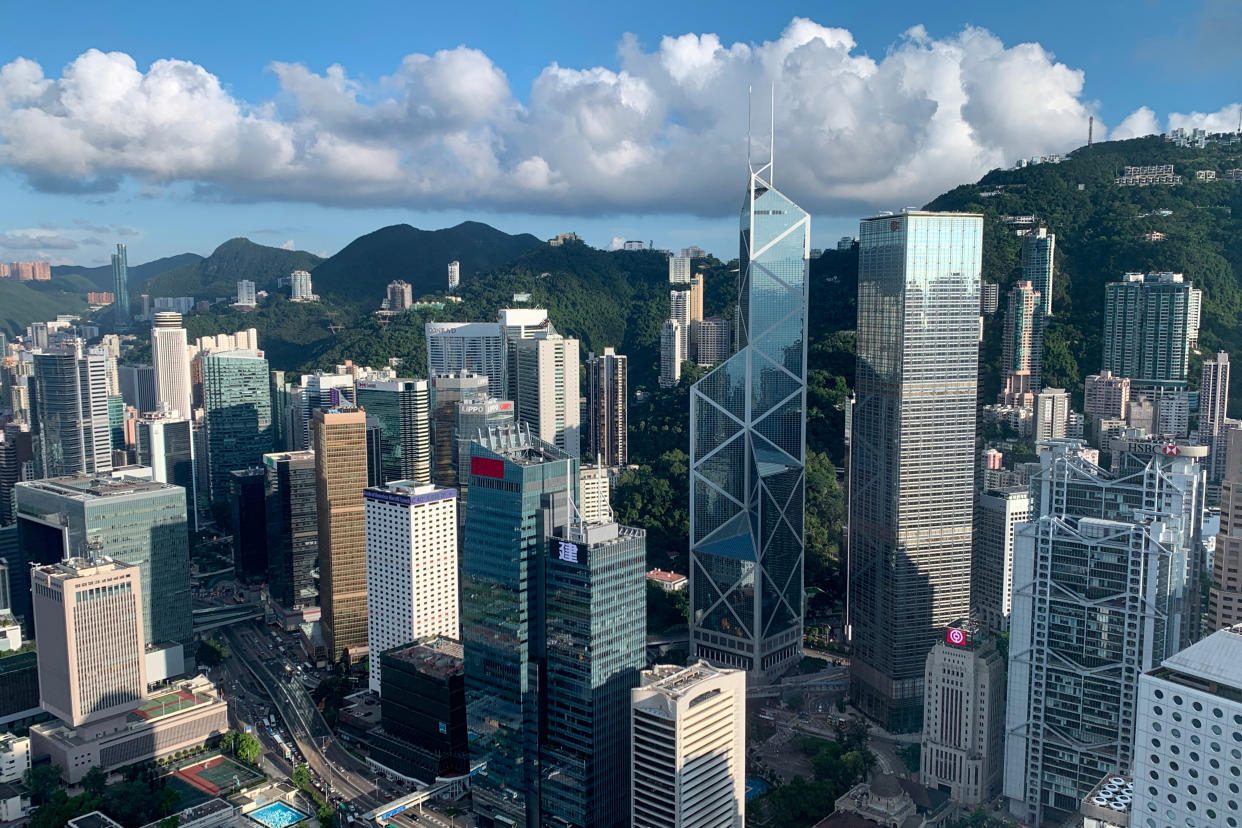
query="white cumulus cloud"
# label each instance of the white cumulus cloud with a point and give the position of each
(663, 131)
(288, 245)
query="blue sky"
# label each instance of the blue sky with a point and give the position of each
(554, 116)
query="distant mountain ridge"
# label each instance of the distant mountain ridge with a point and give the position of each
(137, 275)
(361, 271)
(236, 259)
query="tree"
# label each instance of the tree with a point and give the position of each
(95, 781)
(301, 775)
(41, 780)
(247, 748)
(212, 652)
(228, 742)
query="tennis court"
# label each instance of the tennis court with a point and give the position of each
(165, 704)
(217, 773)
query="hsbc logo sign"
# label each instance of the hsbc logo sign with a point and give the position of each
(1171, 450)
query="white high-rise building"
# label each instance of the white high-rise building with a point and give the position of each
(679, 309)
(688, 748)
(998, 514)
(244, 340)
(1186, 741)
(1051, 414)
(679, 270)
(300, 287)
(713, 340)
(172, 365)
(411, 567)
(245, 293)
(454, 275)
(672, 343)
(593, 494)
(468, 348)
(963, 746)
(1213, 403)
(545, 387)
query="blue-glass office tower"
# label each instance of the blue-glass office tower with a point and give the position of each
(748, 453)
(402, 408)
(521, 491)
(595, 616)
(120, 285)
(913, 451)
(237, 408)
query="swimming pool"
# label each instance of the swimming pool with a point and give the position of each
(755, 786)
(277, 815)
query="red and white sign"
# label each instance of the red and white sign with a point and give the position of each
(955, 637)
(1172, 450)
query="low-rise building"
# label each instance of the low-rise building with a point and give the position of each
(667, 581)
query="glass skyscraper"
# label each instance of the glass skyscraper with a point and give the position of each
(403, 408)
(747, 454)
(521, 491)
(69, 412)
(292, 527)
(120, 285)
(237, 405)
(912, 457)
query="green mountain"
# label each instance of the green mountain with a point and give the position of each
(21, 304)
(218, 274)
(137, 275)
(360, 273)
(1102, 232)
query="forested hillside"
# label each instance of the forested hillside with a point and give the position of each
(217, 275)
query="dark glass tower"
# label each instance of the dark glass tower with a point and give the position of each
(748, 452)
(237, 406)
(292, 527)
(403, 409)
(120, 285)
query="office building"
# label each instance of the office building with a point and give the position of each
(248, 511)
(1225, 596)
(521, 492)
(595, 607)
(911, 510)
(339, 439)
(1106, 584)
(292, 527)
(300, 287)
(400, 296)
(454, 275)
(679, 309)
(545, 388)
(1213, 411)
(138, 522)
(1189, 723)
(688, 748)
(17, 463)
(1106, 397)
(14, 761)
(989, 298)
(88, 621)
(1146, 329)
(748, 454)
(1038, 247)
(608, 407)
(165, 444)
(713, 340)
(593, 495)
(237, 406)
(1108, 805)
(1023, 345)
(318, 390)
(69, 412)
(447, 390)
(672, 342)
(422, 733)
(171, 364)
(998, 514)
(697, 285)
(963, 746)
(468, 347)
(411, 566)
(1051, 414)
(679, 270)
(403, 409)
(523, 323)
(137, 386)
(475, 416)
(120, 286)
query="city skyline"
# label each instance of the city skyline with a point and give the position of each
(641, 73)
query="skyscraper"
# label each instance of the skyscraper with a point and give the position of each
(88, 620)
(248, 511)
(608, 407)
(120, 285)
(423, 708)
(1051, 414)
(136, 521)
(411, 563)
(339, 439)
(292, 527)
(165, 443)
(1106, 397)
(16, 464)
(713, 340)
(475, 415)
(1022, 355)
(245, 293)
(998, 514)
(672, 338)
(300, 287)
(468, 347)
(1146, 330)
(912, 451)
(748, 454)
(318, 390)
(1213, 406)
(521, 492)
(545, 388)
(447, 390)
(688, 748)
(1225, 597)
(69, 412)
(137, 386)
(1106, 585)
(403, 408)
(237, 407)
(679, 270)
(679, 309)
(1038, 247)
(172, 365)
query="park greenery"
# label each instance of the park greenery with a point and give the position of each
(241, 745)
(141, 797)
(836, 767)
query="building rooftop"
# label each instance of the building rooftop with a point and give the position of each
(439, 657)
(666, 577)
(95, 819)
(1109, 799)
(83, 567)
(676, 681)
(88, 487)
(1217, 658)
(409, 493)
(517, 445)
